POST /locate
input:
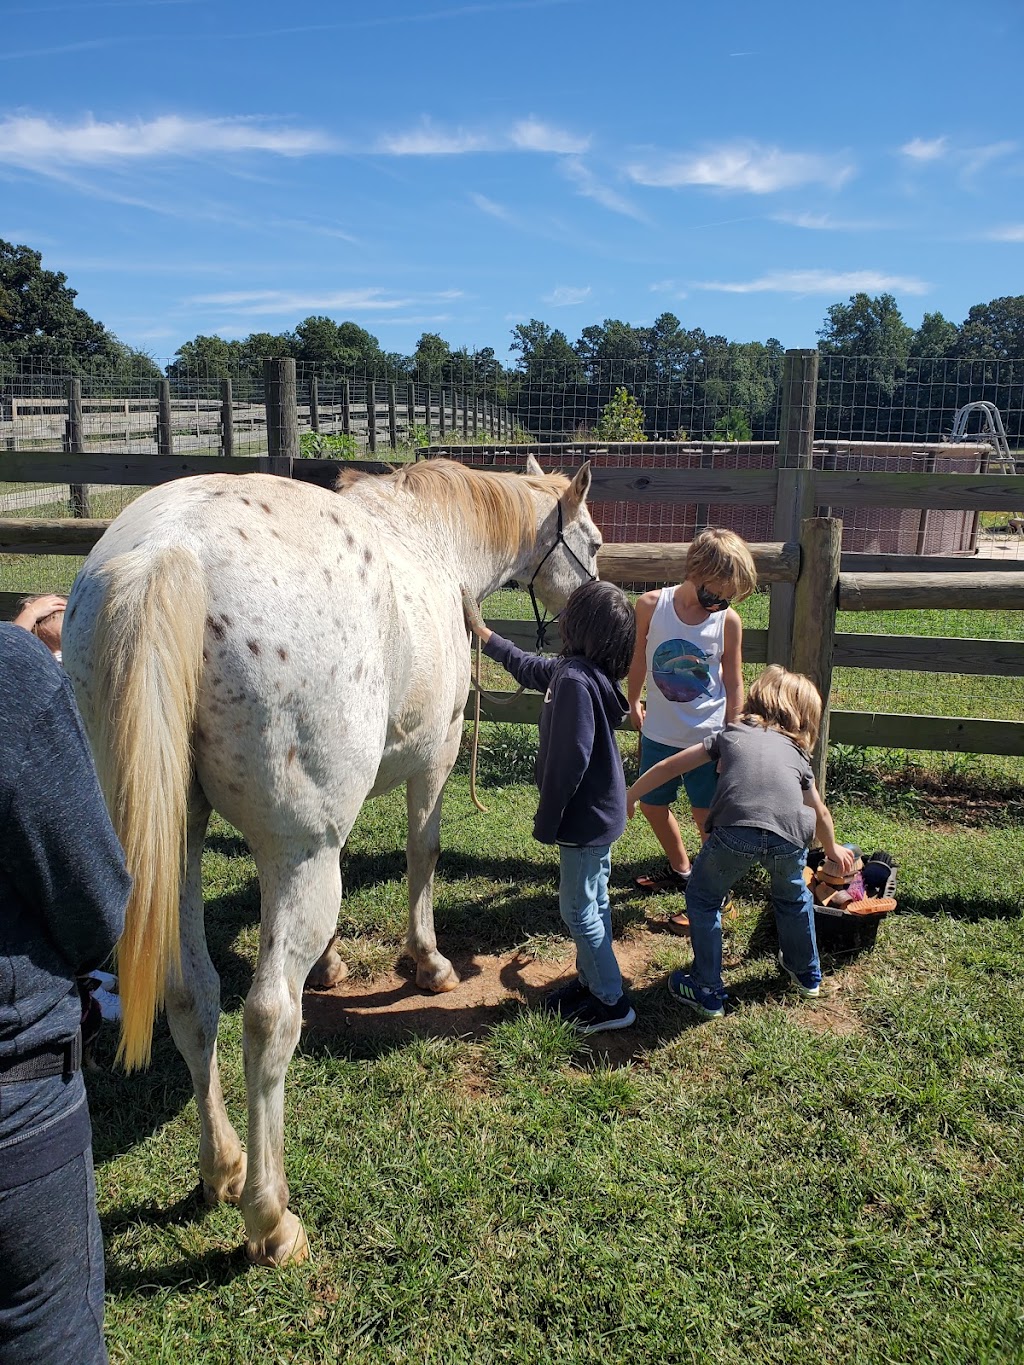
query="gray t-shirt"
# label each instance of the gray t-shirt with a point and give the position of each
(762, 777)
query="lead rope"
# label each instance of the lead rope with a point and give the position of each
(496, 699)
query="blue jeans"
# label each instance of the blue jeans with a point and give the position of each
(720, 863)
(583, 902)
(51, 1270)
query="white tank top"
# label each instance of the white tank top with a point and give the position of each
(685, 690)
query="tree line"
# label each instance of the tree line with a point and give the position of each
(880, 376)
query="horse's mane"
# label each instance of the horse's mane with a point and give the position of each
(496, 507)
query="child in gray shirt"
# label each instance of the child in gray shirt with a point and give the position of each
(766, 809)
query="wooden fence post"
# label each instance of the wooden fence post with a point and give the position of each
(346, 408)
(816, 601)
(164, 423)
(279, 396)
(476, 415)
(410, 411)
(442, 424)
(314, 404)
(227, 418)
(76, 446)
(393, 416)
(465, 418)
(795, 487)
(427, 401)
(371, 416)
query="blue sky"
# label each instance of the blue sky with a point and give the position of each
(429, 165)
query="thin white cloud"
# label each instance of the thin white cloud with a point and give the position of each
(975, 159)
(926, 149)
(429, 141)
(1014, 232)
(253, 302)
(490, 207)
(671, 287)
(743, 166)
(530, 135)
(588, 185)
(819, 282)
(527, 135)
(824, 222)
(36, 143)
(565, 296)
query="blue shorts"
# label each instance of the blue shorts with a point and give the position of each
(700, 784)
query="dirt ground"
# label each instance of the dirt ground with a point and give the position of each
(393, 1006)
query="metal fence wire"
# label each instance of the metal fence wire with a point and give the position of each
(930, 416)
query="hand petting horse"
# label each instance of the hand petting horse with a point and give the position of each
(279, 653)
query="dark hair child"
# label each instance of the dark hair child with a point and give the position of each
(582, 804)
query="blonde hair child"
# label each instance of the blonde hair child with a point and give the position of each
(689, 656)
(766, 809)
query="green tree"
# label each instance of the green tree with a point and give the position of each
(732, 426)
(866, 326)
(432, 359)
(994, 331)
(935, 337)
(206, 356)
(40, 321)
(622, 418)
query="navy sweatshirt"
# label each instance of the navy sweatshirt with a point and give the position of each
(579, 768)
(63, 891)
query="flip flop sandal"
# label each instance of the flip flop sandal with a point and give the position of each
(667, 879)
(680, 924)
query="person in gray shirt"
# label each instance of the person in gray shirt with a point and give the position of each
(766, 809)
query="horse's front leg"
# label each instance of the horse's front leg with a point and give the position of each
(423, 801)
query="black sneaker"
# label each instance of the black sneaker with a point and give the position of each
(567, 999)
(594, 1016)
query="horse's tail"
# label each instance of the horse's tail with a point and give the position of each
(147, 659)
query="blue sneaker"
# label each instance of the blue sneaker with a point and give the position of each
(806, 983)
(594, 1016)
(708, 1004)
(567, 999)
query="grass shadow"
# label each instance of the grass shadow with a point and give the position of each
(216, 1267)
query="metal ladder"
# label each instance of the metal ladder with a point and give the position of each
(993, 431)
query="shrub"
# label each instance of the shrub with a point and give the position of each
(622, 418)
(318, 445)
(732, 426)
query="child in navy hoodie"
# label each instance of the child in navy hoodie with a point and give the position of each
(582, 805)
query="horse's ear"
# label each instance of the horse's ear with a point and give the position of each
(577, 491)
(533, 466)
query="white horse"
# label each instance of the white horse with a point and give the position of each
(279, 653)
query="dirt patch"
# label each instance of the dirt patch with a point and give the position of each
(488, 988)
(392, 1007)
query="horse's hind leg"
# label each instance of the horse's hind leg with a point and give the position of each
(423, 802)
(193, 1013)
(300, 906)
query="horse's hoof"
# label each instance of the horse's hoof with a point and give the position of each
(286, 1245)
(437, 980)
(327, 972)
(226, 1190)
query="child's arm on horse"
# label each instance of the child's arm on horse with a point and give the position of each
(530, 670)
(825, 832)
(674, 766)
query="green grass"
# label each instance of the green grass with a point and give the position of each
(839, 1182)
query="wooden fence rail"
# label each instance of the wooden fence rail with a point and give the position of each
(808, 582)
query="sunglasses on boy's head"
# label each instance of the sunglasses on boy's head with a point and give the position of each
(710, 602)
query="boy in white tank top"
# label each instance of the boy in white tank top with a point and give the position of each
(689, 653)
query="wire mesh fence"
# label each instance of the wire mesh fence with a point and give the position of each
(926, 416)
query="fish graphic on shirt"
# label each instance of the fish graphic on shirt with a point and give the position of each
(681, 671)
